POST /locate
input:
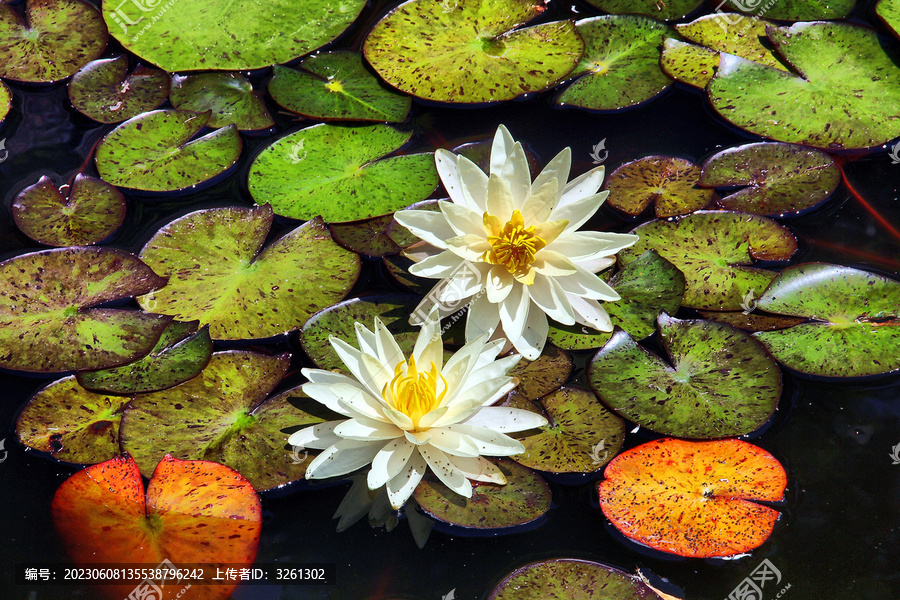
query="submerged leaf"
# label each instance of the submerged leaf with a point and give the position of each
(228, 96)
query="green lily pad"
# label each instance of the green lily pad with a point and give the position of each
(815, 109)
(151, 151)
(338, 173)
(582, 435)
(232, 36)
(180, 354)
(687, 63)
(337, 86)
(720, 383)
(670, 183)
(780, 178)
(753, 321)
(571, 579)
(523, 499)
(855, 321)
(229, 97)
(889, 13)
(104, 90)
(5, 101)
(46, 323)
(539, 377)
(53, 40)
(368, 236)
(92, 212)
(222, 415)
(715, 251)
(620, 66)
(220, 275)
(471, 52)
(71, 423)
(795, 10)
(671, 10)
(647, 285)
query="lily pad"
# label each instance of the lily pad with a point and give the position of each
(46, 321)
(854, 327)
(71, 423)
(471, 52)
(539, 377)
(687, 63)
(582, 435)
(523, 499)
(889, 13)
(780, 178)
(180, 354)
(151, 151)
(696, 499)
(235, 36)
(795, 10)
(815, 109)
(752, 321)
(222, 415)
(672, 10)
(371, 237)
(5, 101)
(571, 579)
(647, 285)
(105, 91)
(92, 212)
(337, 86)
(220, 275)
(54, 39)
(402, 236)
(620, 65)
(714, 250)
(718, 381)
(228, 96)
(193, 512)
(670, 183)
(339, 173)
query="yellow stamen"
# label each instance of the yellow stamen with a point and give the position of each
(414, 393)
(514, 246)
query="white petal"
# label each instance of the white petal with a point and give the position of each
(474, 184)
(356, 402)
(361, 430)
(453, 443)
(430, 418)
(418, 438)
(399, 419)
(538, 207)
(482, 318)
(320, 435)
(350, 356)
(478, 469)
(449, 475)
(343, 457)
(579, 211)
(557, 168)
(462, 219)
(495, 370)
(447, 169)
(500, 418)
(499, 284)
(590, 313)
(401, 486)
(534, 336)
(422, 250)
(598, 264)
(578, 246)
(501, 148)
(323, 376)
(514, 311)
(366, 339)
(389, 352)
(517, 175)
(586, 284)
(469, 247)
(427, 225)
(552, 264)
(583, 185)
(480, 395)
(547, 294)
(388, 463)
(437, 267)
(499, 199)
(490, 443)
(488, 353)
(465, 282)
(378, 372)
(429, 347)
(431, 303)
(323, 394)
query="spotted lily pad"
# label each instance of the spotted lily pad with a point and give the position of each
(854, 320)
(670, 183)
(780, 178)
(541, 376)
(105, 91)
(671, 10)
(229, 97)
(193, 512)
(647, 285)
(180, 354)
(889, 13)
(338, 173)
(572, 579)
(696, 499)
(523, 499)
(337, 86)
(223, 415)
(46, 320)
(794, 10)
(815, 109)
(471, 52)
(220, 275)
(687, 63)
(71, 423)
(620, 66)
(51, 41)
(5, 101)
(751, 321)
(91, 213)
(371, 237)
(151, 151)
(715, 251)
(581, 437)
(718, 381)
(234, 36)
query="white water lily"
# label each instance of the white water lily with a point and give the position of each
(510, 247)
(406, 416)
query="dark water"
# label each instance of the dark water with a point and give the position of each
(839, 536)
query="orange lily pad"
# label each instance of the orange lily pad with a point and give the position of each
(194, 511)
(695, 499)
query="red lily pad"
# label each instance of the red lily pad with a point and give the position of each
(697, 499)
(105, 91)
(193, 512)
